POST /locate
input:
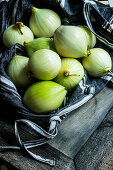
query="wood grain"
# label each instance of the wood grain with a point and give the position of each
(21, 161)
(75, 130)
(97, 153)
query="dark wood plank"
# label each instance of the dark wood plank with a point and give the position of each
(75, 130)
(20, 161)
(97, 153)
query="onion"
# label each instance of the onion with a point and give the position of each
(17, 70)
(70, 74)
(98, 63)
(70, 41)
(44, 96)
(39, 43)
(91, 38)
(44, 22)
(17, 33)
(45, 64)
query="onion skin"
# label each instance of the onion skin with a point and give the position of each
(44, 22)
(91, 38)
(44, 96)
(17, 70)
(70, 41)
(98, 63)
(70, 74)
(17, 33)
(39, 43)
(45, 64)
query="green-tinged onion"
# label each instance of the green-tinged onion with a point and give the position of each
(45, 64)
(44, 22)
(70, 41)
(17, 33)
(17, 70)
(98, 63)
(70, 74)
(39, 43)
(44, 96)
(91, 38)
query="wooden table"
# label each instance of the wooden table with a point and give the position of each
(97, 153)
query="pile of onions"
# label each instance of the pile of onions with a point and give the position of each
(53, 63)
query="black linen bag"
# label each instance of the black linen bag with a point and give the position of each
(11, 101)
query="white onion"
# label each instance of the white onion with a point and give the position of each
(91, 38)
(45, 64)
(44, 22)
(44, 96)
(18, 71)
(70, 41)
(98, 63)
(39, 43)
(70, 74)
(17, 33)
